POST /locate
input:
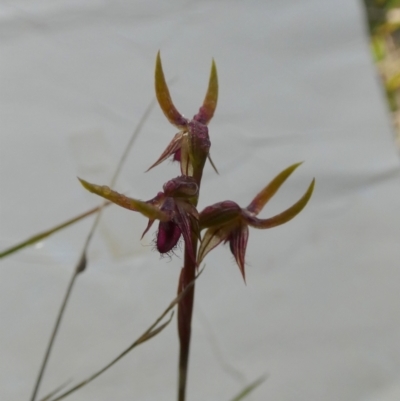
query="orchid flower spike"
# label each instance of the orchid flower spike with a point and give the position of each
(173, 208)
(228, 222)
(190, 146)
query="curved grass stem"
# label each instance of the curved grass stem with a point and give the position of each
(53, 336)
(152, 331)
(44, 234)
(81, 265)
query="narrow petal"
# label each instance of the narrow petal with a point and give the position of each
(269, 191)
(283, 217)
(164, 98)
(238, 244)
(207, 110)
(212, 237)
(171, 149)
(193, 215)
(144, 208)
(149, 224)
(189, 209)
(212, 164)
(185, 223)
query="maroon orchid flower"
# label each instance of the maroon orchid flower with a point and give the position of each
(227, 222)
(190, 146)
(173, 208)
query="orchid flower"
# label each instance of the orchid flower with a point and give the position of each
(190, 146)
(172, 207)
(175, 206)
(228, 222)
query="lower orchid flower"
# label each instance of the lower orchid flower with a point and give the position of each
(228, 222)
(172, 207)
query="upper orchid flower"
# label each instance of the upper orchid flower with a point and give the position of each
(190, 146)
(227, 222)
(172, 207)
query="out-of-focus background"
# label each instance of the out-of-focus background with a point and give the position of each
(320, 314)
(383, 18)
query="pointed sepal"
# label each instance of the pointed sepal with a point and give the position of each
(164, 98)
(185, 223)
(212, 163)
(207, 110)
(283, 217)
(269, 191)
(238, 243)
(173, 147)
(149, 224)
(144, 208)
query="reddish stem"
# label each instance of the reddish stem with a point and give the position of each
(185, 309)
(200, 148)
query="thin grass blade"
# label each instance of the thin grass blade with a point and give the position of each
(55, 391)
(82, 262)
(146, 336)
(38, 237)
(152, 331)
(248, 389)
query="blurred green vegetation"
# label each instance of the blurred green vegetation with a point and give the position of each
(383, 19)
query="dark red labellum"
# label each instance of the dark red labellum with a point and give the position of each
(177, 156)
(168, 236)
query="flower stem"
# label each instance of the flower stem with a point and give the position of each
(185, 309)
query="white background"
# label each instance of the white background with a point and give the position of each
(320, 314)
